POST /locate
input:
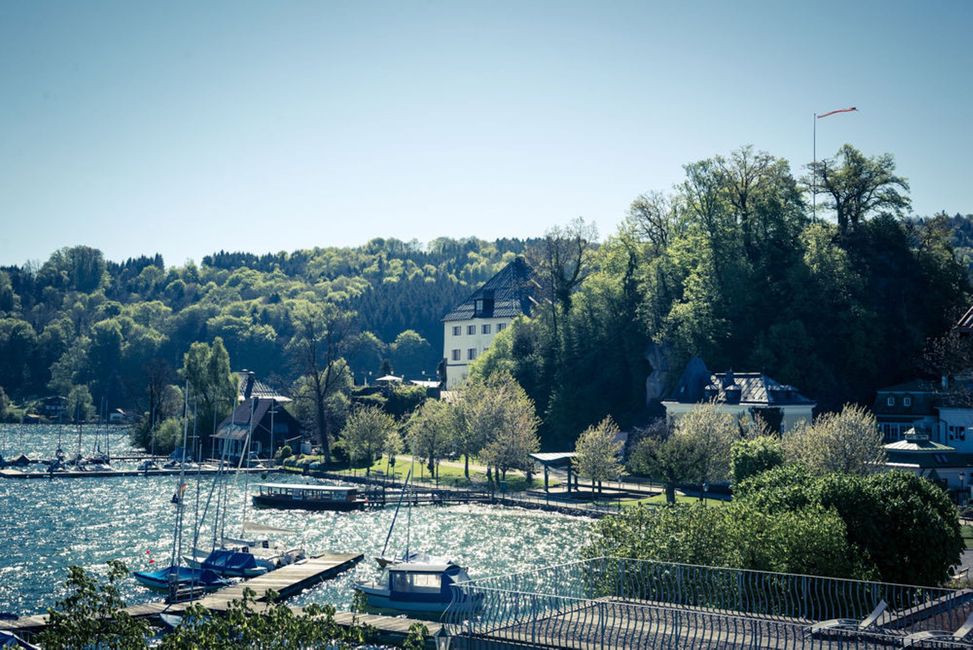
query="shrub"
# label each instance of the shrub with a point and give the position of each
(751, 457)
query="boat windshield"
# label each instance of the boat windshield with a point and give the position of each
(416, 582)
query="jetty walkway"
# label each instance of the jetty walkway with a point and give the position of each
(382, 491)
(287, 581)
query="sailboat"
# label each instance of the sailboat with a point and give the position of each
(176, 578)
(243, 557)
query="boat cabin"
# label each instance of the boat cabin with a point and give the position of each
(423, 582)
(308, 497)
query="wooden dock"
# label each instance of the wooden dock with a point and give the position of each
(286, 581)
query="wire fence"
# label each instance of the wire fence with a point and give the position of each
(624, 603)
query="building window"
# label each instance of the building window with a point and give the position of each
(471, 329)
(890, 401)
(455, 355)
(500, 326)
(457, 330)
(485, 329)
(906, 401)
(471, 354)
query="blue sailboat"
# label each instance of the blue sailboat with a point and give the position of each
(176, 579)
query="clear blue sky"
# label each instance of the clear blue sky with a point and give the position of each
(187, 127)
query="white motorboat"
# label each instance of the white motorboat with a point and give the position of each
(420, 587)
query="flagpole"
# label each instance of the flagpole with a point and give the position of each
(814, 173)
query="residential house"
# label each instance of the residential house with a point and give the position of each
(260, 413)
(743, 394)
(942, 410)
(471, 326)
(940, 463)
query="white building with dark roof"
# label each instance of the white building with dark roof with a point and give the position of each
(471, 326)
(744, 394)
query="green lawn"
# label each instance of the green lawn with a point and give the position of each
(660, 500)
(967, 532)
(450, 473)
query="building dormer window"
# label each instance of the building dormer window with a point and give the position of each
(483, 306)
(906, 401)
(890, 401)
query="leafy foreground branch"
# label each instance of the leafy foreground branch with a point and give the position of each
(92, 616)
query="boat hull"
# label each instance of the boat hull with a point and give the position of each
(288, 503)
(164, 579)
(380, 599)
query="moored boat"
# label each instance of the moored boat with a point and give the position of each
(245, 558)
(179, 577)
(308, 497)
(420, 587)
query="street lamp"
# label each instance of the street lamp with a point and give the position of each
(443, 638)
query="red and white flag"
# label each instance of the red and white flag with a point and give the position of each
(840, 110)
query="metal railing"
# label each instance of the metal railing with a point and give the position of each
(625, 603)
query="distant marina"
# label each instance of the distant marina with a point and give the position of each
(130, 518)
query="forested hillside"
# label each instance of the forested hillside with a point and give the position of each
(80, 319)
(730, 264)
(733, 266)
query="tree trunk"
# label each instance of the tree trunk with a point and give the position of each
(670, 493)
(322, 425)
(466, 466)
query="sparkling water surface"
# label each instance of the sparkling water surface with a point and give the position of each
(48, 525)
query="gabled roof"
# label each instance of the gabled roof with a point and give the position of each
(512, 291)
(257, 388)
(237, 425)
(698, 384)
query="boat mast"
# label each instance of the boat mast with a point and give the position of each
(177, 537)
(395, 516)
(246, 479)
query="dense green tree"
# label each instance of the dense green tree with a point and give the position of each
(848, 442)
(410, 352)
(18, 343)
(752, 456)
(903, 525)
(79, 406)
(365, 433)
(212, 388)
(856, 186)
(316, 349)
(364, 355)
(9, 301)
(811, 541)
(598, 452)
(666, 458)
(76, 268)
(430, 432)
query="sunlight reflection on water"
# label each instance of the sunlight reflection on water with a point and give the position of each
(50, 525)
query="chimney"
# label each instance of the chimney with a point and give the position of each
(248, 389)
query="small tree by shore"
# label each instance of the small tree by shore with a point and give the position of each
(598, 451)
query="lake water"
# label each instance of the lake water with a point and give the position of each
(47, 526)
